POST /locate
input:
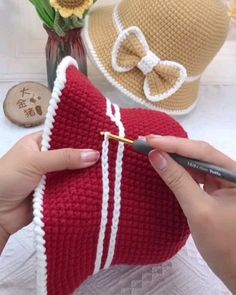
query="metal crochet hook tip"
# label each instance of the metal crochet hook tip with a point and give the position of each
(117, 138)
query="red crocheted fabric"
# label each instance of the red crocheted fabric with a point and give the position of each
(116, 212)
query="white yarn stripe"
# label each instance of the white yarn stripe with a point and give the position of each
(116, 19)
(109, 111)
(120, 28)
(41, 259)
(94, 57)
(117, 193)
(191, 79)
(117, 188)
(105, 200)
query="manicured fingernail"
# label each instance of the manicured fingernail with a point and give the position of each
(158, 161)
(154, 136)
(90, 156)
(143, 138)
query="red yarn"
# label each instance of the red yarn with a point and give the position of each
(152, 226)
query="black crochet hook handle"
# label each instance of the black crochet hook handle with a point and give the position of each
(204, 167)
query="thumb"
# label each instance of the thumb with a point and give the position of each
(188, 193)
(66, 159)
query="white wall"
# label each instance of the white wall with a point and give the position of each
(22, 41)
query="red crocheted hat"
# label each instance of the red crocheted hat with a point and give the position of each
(116, 212)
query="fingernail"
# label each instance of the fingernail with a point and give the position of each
(90, 156)
(143, 138)
(158, 161)
(154, 136)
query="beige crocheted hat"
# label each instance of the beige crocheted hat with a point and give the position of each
(155, 51)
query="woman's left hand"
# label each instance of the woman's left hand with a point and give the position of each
(20, 172)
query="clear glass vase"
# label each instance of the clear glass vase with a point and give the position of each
(58, 47)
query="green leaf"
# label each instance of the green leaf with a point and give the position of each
(85, 13)
(50, 10)
(58, 25)
(44, 17)
(45, 11)
(76, 22)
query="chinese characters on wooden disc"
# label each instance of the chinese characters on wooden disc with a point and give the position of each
(26, 104)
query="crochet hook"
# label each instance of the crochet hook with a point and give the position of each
(204, 167)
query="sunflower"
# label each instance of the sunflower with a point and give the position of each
(68, 8)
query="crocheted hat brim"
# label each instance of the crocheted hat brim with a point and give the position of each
(99, 35)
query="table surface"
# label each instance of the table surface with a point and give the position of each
(214, 121)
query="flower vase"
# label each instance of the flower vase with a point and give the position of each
(58, 47)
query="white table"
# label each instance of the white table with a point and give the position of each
(213, 120)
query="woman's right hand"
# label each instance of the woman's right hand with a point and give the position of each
(211, 211)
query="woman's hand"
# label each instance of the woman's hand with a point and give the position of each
(21, 170)
(211, 211)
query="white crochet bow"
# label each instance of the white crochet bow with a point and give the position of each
(162, 78)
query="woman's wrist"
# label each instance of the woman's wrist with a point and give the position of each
(4, 236)
(14, 220)
(231, 284)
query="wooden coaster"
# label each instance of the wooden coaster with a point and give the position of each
(26, 104)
